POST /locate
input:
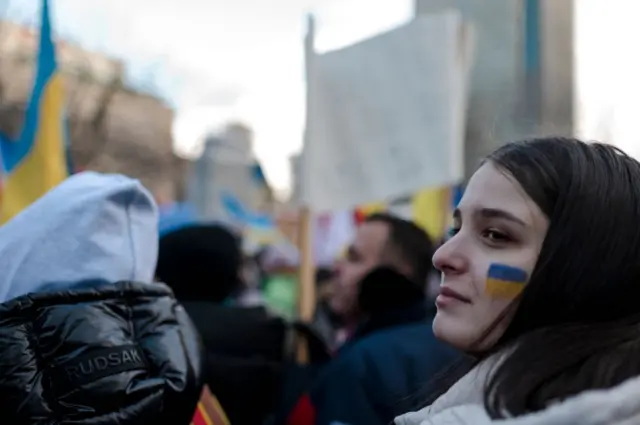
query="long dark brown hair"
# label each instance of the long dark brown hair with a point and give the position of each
(577, 323)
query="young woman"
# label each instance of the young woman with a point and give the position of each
(541, 281)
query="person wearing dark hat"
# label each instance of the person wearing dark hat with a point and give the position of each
(245, 345)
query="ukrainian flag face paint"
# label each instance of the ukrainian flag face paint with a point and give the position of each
(505, 281)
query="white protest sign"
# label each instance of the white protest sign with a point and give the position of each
(386, 117)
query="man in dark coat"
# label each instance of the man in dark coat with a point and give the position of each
(391, 354)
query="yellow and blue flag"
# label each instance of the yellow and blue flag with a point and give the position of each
(257, 175)
(431, 210)
(37, 162)
(505, 281)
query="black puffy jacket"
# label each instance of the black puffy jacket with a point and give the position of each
(121, 354)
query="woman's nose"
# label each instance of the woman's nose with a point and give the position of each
(449, 258)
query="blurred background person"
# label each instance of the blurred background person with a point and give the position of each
(245, 346)
(86, 336)
(326, 322)
(391, 352)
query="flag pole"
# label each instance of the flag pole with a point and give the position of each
(306, 293)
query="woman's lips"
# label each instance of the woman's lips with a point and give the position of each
(448, 296)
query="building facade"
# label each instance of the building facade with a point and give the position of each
(523, 75)
(227, 165)
(112, 127)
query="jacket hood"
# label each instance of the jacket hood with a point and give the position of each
(91, 229)
(617, 406)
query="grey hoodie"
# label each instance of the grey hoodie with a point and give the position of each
(90, 230)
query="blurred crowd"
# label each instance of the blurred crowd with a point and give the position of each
(526, 314)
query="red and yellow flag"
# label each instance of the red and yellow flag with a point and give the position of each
(209, 411)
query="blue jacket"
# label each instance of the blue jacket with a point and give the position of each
(383, 372)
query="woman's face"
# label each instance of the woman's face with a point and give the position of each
(496, 224)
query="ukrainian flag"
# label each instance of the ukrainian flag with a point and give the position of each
(431, 209)
(505, 281)
(36, 162)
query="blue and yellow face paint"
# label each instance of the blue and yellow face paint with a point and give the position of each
(505, 281)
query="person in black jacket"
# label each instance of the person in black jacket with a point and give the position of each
(245, 345)
(86, 336)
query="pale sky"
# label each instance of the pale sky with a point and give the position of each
(222, 59)
(608, 77)
(217, 60)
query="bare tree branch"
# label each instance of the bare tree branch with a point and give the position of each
(102, 138)
(98, 123)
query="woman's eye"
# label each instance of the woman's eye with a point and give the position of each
(495, 236)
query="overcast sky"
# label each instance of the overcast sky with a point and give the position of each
(217, 60)
(225, 59)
